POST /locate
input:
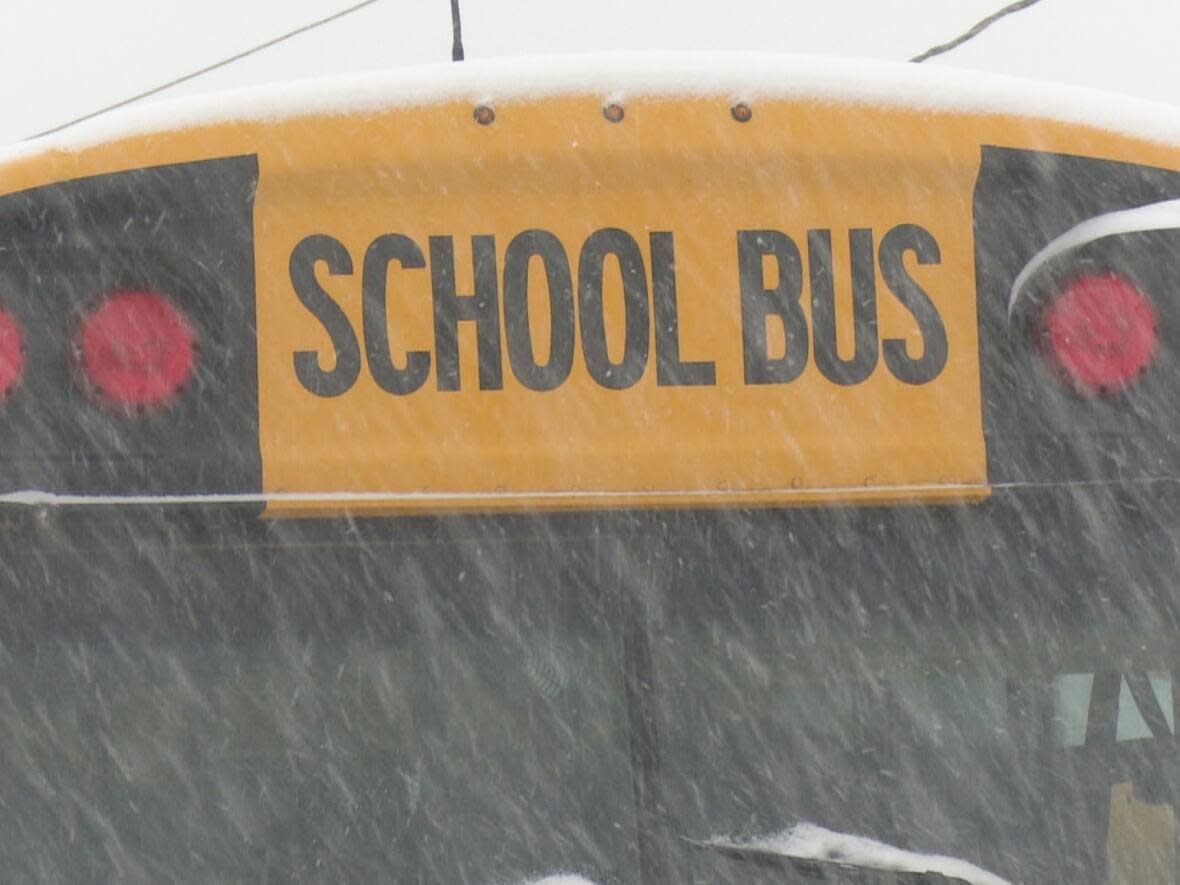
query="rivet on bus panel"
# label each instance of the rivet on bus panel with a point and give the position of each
(742, 112)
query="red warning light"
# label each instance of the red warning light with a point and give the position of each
(12, 354)
(1099, 334)
(136, 350)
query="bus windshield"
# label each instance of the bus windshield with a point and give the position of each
(197, 696)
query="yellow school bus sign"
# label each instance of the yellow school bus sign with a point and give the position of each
(576, 300)
(677, 305)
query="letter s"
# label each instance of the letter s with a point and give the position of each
(308, 368)
(901, 239)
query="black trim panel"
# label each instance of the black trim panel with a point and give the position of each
(185, 230)
(1035, 430)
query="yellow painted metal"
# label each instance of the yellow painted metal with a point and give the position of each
(678, 165)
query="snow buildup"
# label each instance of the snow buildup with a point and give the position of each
(559, 880)
(620, 76)
(1155, 216)
(806, 841)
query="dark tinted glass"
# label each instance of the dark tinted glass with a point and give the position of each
(203, 697)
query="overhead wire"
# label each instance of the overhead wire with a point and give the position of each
(456, 33)
(456, 53)
(155, 90)
(977, 29)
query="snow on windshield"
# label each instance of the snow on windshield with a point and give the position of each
(807, 841)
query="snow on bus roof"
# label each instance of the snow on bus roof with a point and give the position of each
(618, 76)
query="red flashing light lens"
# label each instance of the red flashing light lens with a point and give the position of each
(12, 354)
(1099, 334)
(136, 350)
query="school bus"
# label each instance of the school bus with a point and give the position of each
(479, 473)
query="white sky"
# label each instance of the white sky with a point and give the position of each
(64, 58)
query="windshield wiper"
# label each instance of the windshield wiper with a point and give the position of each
(822, 854)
